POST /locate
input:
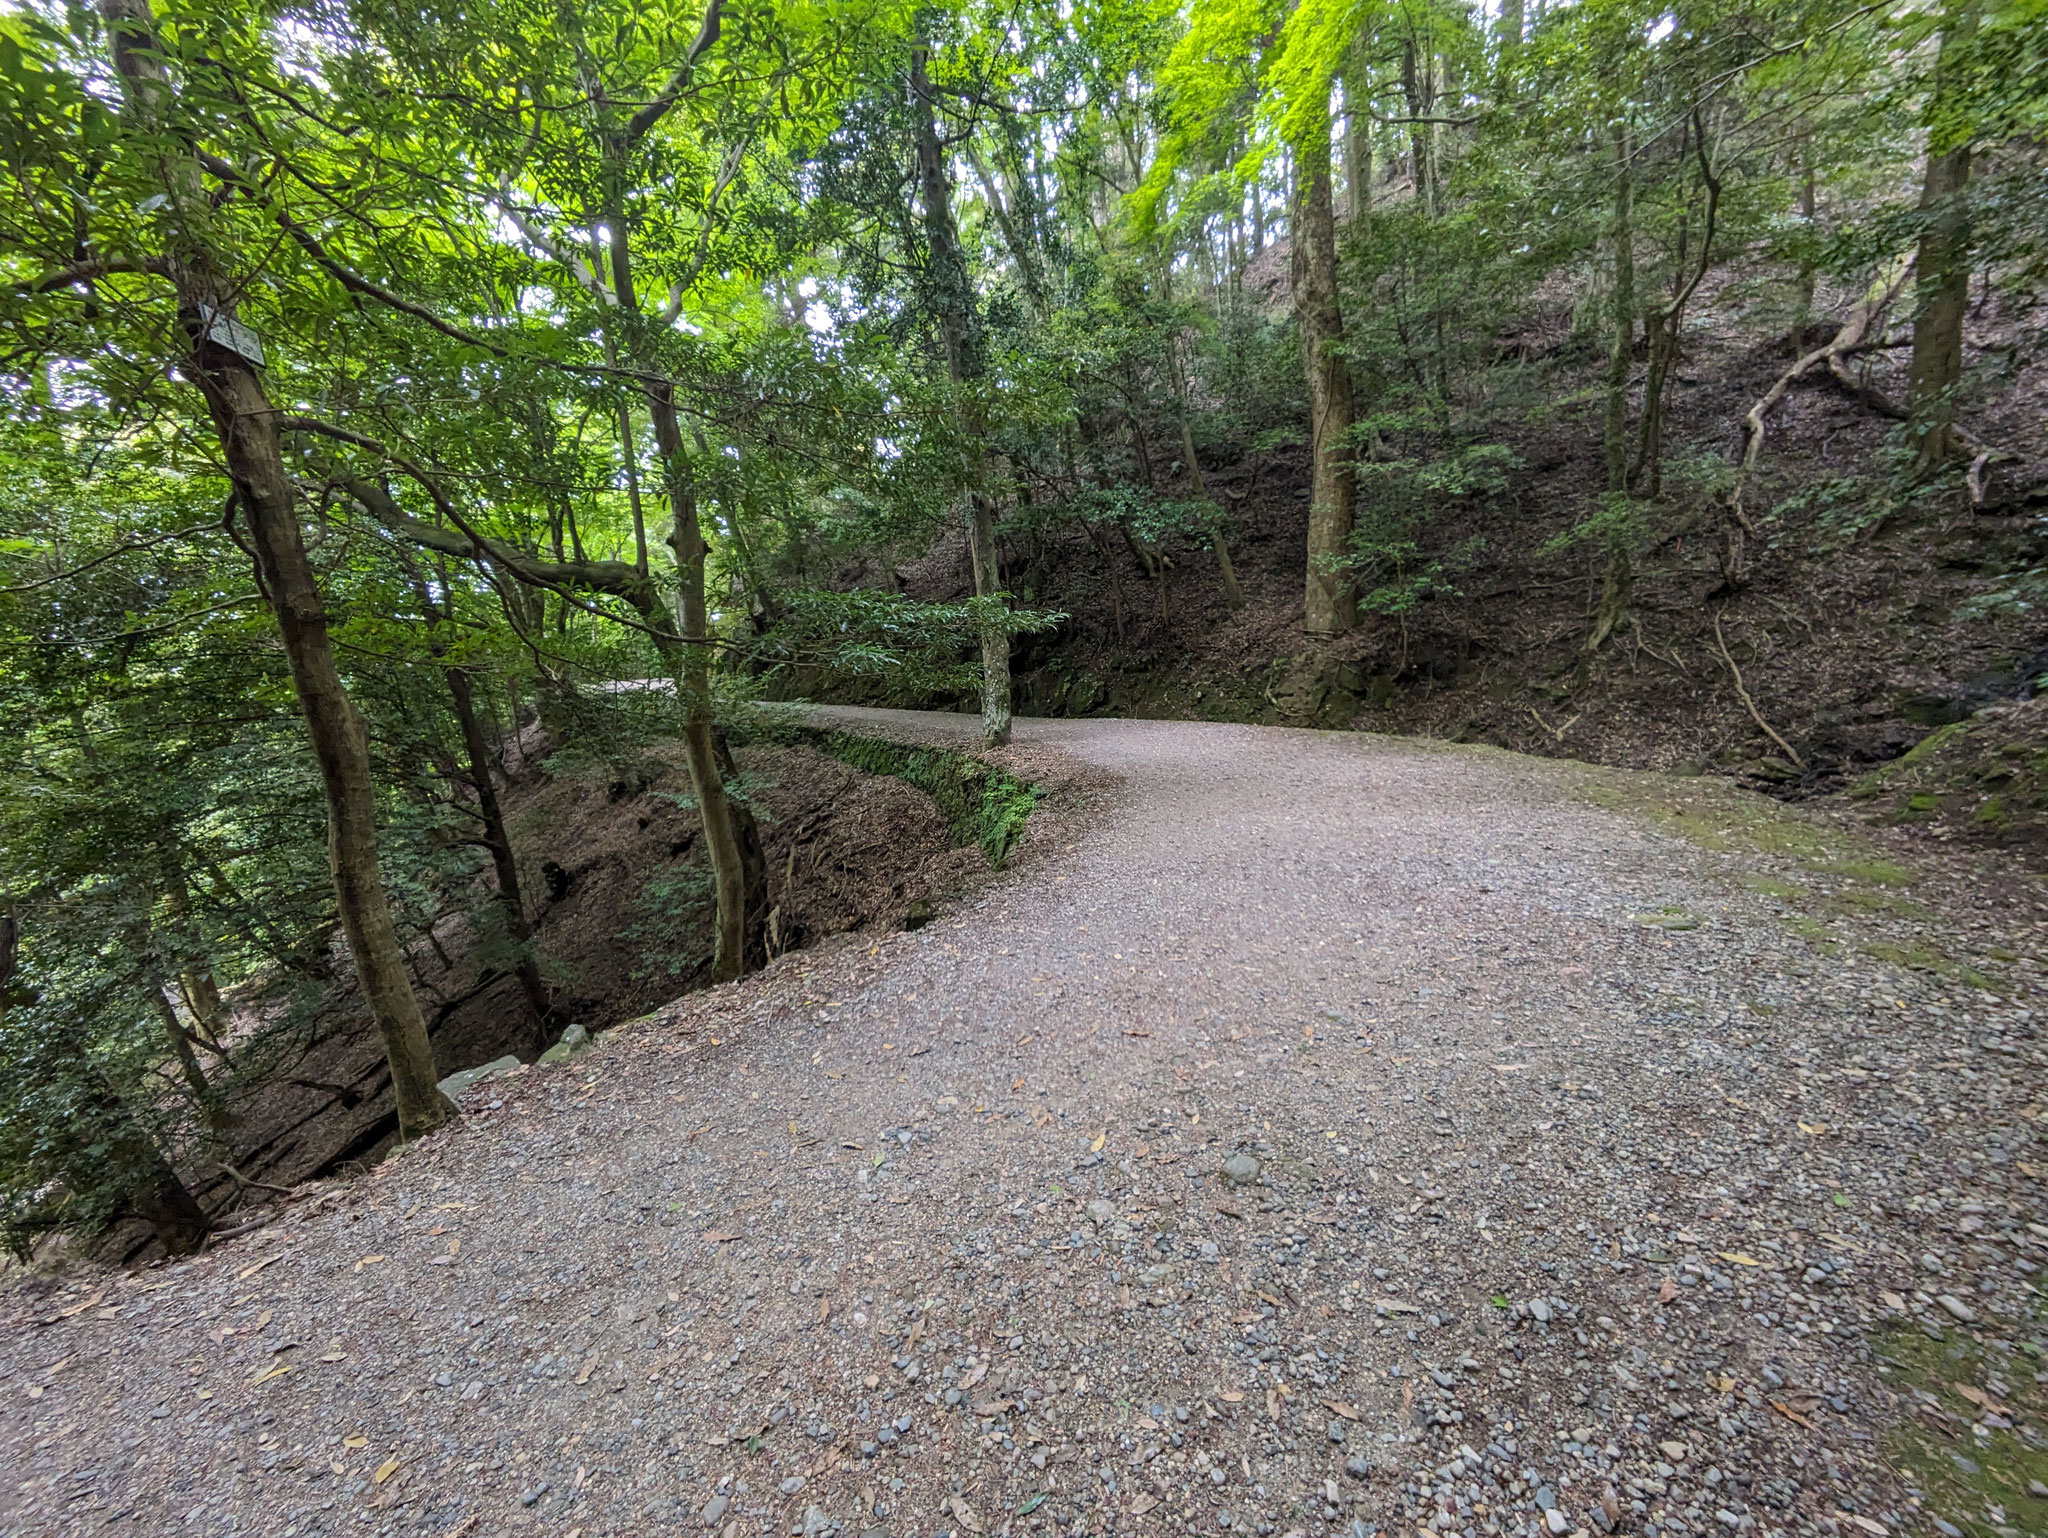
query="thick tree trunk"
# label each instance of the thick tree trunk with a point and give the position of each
(247, 427)
(953, 307)
(1941, 272)
(1331, 604)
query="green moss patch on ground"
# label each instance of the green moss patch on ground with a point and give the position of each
(1824, 883)
(1985, 778)
(1968, 1435)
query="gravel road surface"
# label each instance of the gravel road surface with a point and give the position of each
(1309, 1133)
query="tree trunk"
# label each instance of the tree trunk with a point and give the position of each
(1802, 288)
(691, 662)
(1618, 578)
(1331, 605)
(1941, 280)
(246, 425)
(1358, 151)
(511, 899)
(188, 1061)
(952, 302)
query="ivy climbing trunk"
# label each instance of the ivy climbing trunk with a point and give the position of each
(246, 425)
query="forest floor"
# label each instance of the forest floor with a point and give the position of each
(1870, 619)
(1309, 1132)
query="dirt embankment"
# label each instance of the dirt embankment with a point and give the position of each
(619, 885)
(1869, 620)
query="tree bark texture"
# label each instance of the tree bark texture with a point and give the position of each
(952, 301)
(1331, 604)
(246, 425)
(1941, 284)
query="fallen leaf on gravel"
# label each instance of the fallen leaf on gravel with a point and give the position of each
(1140, 1506)
(79, 1308)
(385, 1470)
(964, 1514)
(248, 1271)
(588, 1368)
(1736, 1258)
(1668, 1291)
(1231, 1396)
(277, 1371)
(355, 1441)
(1813, 1128)
(1145, 1423)
(1339, 1407)
(1031, 1504)
(1793, 1415)
(1100, 1138)
(1137, 1033)
(919, 1051)
(1391, 1306)
(1509, 1067)
(1981, 1400)
(824, 1309)
(719, 1236)
(980, 1371)
(1864, 1523)
(369, 1260)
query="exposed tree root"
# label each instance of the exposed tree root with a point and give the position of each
(1853, 333)
(1749, 704)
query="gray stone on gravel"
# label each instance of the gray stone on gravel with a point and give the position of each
(1240, 1169)
(714, 1510)
(454, 1085)
(1101, 1212)
(574, 1042)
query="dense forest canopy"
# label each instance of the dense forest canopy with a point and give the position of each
(384, 382)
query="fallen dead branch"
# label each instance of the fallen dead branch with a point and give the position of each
(1869, 310)
(1749, 704)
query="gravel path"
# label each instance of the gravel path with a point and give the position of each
(1309, 1133)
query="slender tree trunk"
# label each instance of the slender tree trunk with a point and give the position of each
(952, 301)
(1331, 604)
(246, 425)
(180, 1044)
(1422, 159)
(1616, 582)
(1358, 147)
(511, 899)
(691, 662)
(156, 1194)
(1802, 288)
(1941, 280)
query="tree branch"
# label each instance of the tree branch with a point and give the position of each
(641, 122)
